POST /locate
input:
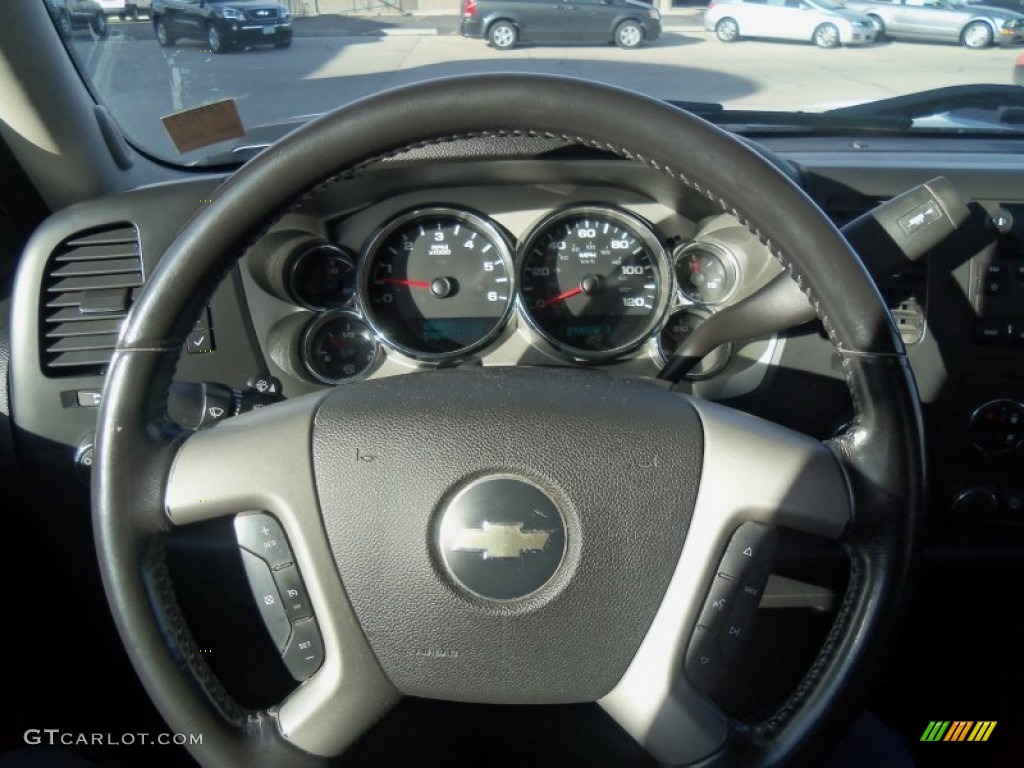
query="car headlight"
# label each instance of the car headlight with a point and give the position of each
(1011, 24)
(861, 24)
(283, 12)
(230, 13)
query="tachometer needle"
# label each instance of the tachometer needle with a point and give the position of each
(560, 297)
(401, 281)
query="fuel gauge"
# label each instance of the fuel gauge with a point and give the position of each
(338, 346)
(706, 273)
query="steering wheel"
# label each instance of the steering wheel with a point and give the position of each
(643, 489)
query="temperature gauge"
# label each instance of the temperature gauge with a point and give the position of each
(338, 346)
(706, 273)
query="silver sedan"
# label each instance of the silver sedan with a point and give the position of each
(822, 22)
(974, 26)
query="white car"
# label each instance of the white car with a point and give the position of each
(113, 7)
(822, 22)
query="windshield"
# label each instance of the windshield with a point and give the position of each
(265, 66)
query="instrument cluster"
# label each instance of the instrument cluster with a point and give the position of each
(588, 283)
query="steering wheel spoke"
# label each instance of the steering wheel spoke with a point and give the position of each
(754, 472)
(261, 463)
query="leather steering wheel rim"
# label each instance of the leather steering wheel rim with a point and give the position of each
(881, 453)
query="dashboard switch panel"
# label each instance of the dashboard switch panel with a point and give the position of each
(280, 595)
(731, 603)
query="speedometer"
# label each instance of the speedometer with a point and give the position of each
(436, 283)
(594, 281)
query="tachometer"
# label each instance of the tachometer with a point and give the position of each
(437, 283)
(594, 281)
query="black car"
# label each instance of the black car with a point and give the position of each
(70, 15)
(503, 23)
(223, 24)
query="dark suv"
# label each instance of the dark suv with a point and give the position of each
(506, 22)
(223, 24)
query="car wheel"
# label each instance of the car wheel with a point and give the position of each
(163, 35)
(216, 42)
(503, 35)
(879, 26)
(727, 30)
(977, 35)
(826, 36)
(99, 25)
(629, 35)
(133, 12)
(64, 24)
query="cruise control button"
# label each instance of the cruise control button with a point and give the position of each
(261, 535)
(305, 651)
(289, 584)
(718, 603)
(752, 543)
(268, 600)
(704, 662)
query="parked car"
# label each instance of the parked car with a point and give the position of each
(954, 21)
(113, 7)
(223, 24)
(822, 22)
(504, 23)
(70, 15)
(1009, 5)
(133, 8)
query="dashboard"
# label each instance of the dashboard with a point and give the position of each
(537, 253)
(305, 309)
(537, 273)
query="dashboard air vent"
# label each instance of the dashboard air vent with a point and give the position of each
(88, 288)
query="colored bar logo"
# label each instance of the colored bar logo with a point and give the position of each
(958, 730)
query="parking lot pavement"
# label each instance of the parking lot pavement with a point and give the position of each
(142, 82)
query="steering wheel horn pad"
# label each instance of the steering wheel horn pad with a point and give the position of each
(642, 543)
(622, 461)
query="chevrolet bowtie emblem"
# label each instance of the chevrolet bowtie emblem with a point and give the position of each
(498, 540)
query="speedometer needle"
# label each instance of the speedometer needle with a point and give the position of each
(560, 297)
(401, 281)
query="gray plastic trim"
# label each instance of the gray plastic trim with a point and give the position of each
(753, 470)
(262, 461)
